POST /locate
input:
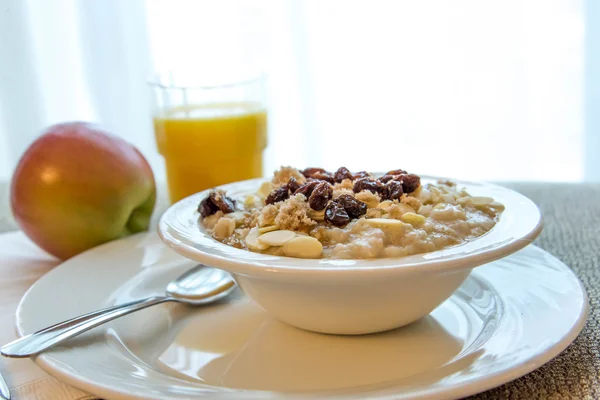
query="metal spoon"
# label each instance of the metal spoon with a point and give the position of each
(200, 285)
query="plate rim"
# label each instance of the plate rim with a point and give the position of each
(465, 388)
(244, 262)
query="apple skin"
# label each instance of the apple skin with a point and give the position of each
(77, 187)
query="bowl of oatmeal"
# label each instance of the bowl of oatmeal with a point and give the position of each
(350, 252)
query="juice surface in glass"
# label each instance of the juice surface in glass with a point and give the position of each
(211, 144)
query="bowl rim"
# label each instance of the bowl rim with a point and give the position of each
(521, 217)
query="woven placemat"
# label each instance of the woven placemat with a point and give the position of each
(572, 233)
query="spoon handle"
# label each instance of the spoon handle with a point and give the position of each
(43, 339)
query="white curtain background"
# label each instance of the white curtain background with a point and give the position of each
(466, 88)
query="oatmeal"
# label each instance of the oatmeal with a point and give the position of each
(314, 213)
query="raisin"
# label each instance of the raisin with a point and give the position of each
(320, 196)
(278, 195)
(207, 208)
(361, 174)
(336, 215)
(353, 207)
(396, 172)
(224, 203)
(386, 178)
(367, 184)
(309, 172)
(216, 201)
(392, 190)
(341, 174)
(410, 182)
(293, 185)
(318, 174)
(307, 188)
(323, 176)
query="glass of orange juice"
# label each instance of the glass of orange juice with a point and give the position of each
(210, 135)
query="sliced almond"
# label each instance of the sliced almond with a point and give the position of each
(266, 229)
(412, 218)
(448, 198)
(317, 215)
(496, 204)
(211, 221)
(276, 238)
(405, 208)
(370, 201)
(250, 201)
(303, 247)
(385, 204)
(481, 200)
(425, 210)
(265, 189)
(224, 228)
(463, 200)
(475, 200)
(252, 241)
(383, 222)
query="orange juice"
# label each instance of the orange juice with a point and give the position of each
(209, 145)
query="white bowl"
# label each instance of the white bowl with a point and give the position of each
(352, 296)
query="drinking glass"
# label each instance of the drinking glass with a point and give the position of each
(209, 135)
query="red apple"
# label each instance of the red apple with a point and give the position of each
(77, 186)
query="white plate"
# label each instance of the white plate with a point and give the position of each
(508, 318)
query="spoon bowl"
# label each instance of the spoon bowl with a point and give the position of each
(201, 285)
